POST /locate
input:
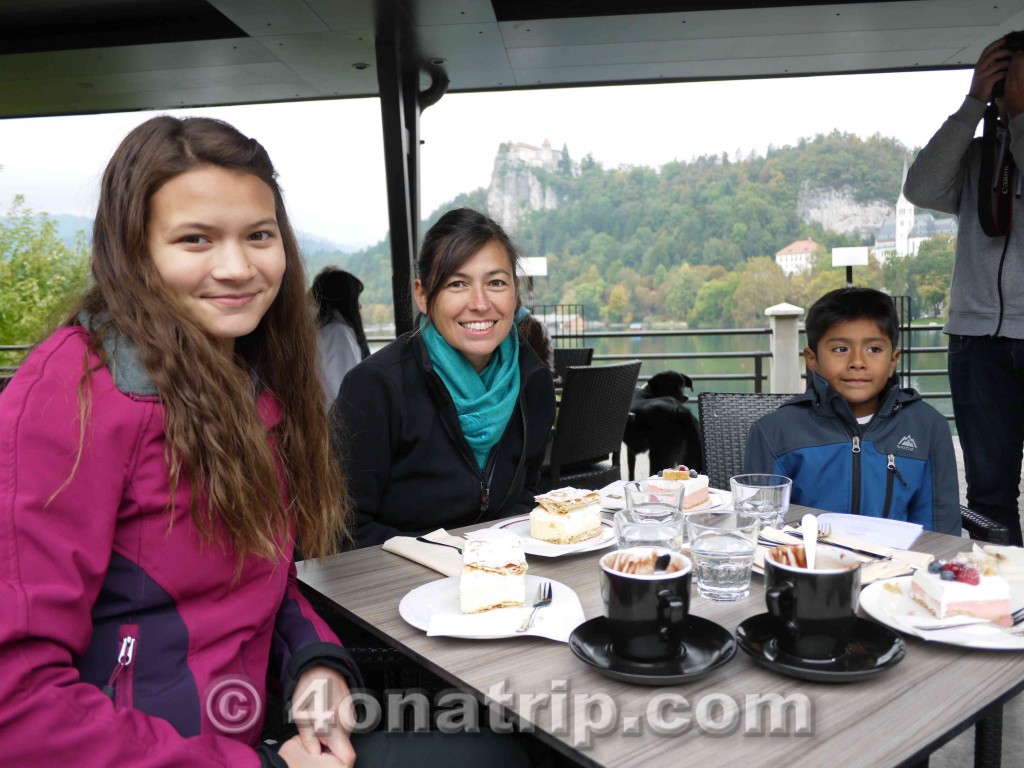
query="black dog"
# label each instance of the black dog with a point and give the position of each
(663, 425)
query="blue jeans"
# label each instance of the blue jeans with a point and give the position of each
(986, 378)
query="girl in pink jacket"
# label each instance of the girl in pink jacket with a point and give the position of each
(159, 455)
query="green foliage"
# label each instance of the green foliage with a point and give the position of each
(694, 241)
(39, 276)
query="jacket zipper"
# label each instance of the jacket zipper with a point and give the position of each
(892, 474)
(855, 499)
(891, 466)
(121, 683)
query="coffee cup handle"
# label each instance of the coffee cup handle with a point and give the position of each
(781, 600)
(671, 611)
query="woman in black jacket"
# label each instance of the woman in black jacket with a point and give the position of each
(447, 425)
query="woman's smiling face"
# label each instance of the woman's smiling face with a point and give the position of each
(476, 306)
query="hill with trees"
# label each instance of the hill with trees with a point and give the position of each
(694, 241)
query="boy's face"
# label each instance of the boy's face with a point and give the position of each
(856, 357)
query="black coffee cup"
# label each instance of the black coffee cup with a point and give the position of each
(646, 594)
(814, 611)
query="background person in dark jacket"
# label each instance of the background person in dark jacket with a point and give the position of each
(447, 426)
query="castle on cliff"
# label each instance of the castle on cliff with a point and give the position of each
(516, 189)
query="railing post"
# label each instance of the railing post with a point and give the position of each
(785, 346)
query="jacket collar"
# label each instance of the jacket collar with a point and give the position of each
(820, 394)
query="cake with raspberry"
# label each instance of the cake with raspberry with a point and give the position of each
(695, 484)
(493, 574)
(566, 516)
(962, 587)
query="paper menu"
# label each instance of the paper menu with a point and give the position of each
(895, 534)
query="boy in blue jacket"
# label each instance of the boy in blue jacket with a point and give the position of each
(855, 441)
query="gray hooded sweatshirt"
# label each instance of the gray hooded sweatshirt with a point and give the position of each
(987, 296)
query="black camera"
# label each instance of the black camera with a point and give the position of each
(1012, 42)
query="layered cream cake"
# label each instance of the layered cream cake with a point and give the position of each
(493, 574)
(962, 587)
(566, 516)
(695, 485)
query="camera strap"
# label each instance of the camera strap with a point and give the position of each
(996, 177)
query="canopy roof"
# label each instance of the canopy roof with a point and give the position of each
(81, 56)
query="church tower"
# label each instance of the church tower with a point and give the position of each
(905, 215)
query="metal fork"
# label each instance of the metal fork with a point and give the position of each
(824, 530)
(1017, 617)
(543, 598)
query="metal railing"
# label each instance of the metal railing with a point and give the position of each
(758, 377)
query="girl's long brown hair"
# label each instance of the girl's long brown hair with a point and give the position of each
(216, 440)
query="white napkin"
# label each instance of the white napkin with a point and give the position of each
(442, 559)
(911, 558)
(555, 621)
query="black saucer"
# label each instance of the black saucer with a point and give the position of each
(708, 646)
(872, 650)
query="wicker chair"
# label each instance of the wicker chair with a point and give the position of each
(591, 421)
(564, 357)
(725, 420)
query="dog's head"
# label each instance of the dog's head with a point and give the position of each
(669, 384)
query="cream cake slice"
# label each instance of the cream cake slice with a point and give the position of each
(493, 574)
(695, 486)
(967, 593)
(566, 516)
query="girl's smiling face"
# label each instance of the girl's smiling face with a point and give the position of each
(213, 237)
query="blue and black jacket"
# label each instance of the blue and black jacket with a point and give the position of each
(900, 465)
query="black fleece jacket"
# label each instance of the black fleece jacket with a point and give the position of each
(408, 465)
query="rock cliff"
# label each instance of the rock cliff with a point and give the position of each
(516, 186)
(836, 209)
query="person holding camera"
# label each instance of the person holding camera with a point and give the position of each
(978, 181)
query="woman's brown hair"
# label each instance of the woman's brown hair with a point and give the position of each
(216, 440)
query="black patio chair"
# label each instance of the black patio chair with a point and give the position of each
(564, 357)
(725, 420)
(591, 421)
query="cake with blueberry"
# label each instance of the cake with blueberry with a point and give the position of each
(566, 516)
(962, 587)
(696, 485)
(493, 574)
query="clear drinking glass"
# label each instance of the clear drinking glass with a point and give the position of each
(722, 545)
(653, 515)
(766, 496)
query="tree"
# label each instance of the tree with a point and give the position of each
(760, 285)
(714, 300)
(39, 275)
(617, 310)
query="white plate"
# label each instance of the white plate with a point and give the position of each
(441, 598)
(897, 610)
(520, 526)
(612, 498)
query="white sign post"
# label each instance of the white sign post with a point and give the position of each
(851, 257)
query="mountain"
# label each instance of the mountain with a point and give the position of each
(635, 229)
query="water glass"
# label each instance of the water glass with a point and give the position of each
(766, 496)
(653, 515)
(722, 545)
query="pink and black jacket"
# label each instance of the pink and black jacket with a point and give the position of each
(124, 640)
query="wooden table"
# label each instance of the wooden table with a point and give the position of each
(894, 719)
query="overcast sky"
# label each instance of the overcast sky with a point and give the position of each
(330, 155)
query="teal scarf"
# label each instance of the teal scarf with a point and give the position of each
(484, 401)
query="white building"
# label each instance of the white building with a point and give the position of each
(796, 257)
(902, 236)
